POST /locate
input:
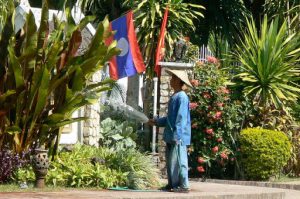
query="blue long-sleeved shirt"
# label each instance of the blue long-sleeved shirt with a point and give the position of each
(178, 122)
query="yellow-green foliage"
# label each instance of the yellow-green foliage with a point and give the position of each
(264, 152)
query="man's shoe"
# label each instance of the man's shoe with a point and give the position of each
(166, 188)
(181, 190)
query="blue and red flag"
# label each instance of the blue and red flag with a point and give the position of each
(130, 61)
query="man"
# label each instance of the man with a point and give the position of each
(177, 133)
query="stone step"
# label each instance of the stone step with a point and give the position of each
(281, 185)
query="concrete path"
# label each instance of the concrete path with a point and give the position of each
(282, 185)
(200, 190)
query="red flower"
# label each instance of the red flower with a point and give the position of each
(206, 95)
(219, 140)
(209, 131)
(195, 125)
(193, 105)
(226, 91)
(212, 60)
(220, 104)
(218, 115)
(200, 169)
(224, 156)
(201, 160)
(223, 90)
(215, 149)
(194, 82)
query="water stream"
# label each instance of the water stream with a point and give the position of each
(127, 111)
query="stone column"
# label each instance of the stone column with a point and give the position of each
(165, 93)
(91, 126)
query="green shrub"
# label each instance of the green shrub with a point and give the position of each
(117, 135)
(264, 152)
(24, 174)
(113, 168)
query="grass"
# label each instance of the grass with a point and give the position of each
(31, 188)
(287, 179)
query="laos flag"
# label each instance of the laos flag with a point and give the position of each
(130, 61)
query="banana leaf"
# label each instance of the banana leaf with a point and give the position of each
(45, 78)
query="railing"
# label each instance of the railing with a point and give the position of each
(203, 53)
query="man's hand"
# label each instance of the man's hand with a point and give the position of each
(151, 122)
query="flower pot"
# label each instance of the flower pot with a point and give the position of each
(40, 164)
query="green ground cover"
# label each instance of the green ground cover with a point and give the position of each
(286, 179)
(31, 188)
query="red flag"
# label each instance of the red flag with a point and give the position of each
(161, 43)
(130, 61)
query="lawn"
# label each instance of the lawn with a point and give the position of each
(31, 188)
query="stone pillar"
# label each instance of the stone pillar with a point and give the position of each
(91, 126)
(165, 93)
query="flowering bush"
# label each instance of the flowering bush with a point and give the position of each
(10, 162)
(216, 120)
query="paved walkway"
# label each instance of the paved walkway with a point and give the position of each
(282, 185)
(200, 190)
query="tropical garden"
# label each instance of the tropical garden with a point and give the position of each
(244, 104)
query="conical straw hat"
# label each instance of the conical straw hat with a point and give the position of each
(181, 74)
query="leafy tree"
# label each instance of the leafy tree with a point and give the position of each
(43, 79)
(285, 10)
(269, 61)
(223, 18)
(148, 19)
(101, 8)
(53, 4)
(6, 8)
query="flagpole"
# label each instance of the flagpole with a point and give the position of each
(155, 81)
(158, 57)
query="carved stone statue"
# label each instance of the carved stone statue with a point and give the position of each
(180, 48)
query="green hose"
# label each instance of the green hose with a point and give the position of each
(133, 190)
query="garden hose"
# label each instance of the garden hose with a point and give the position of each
(133, 190)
